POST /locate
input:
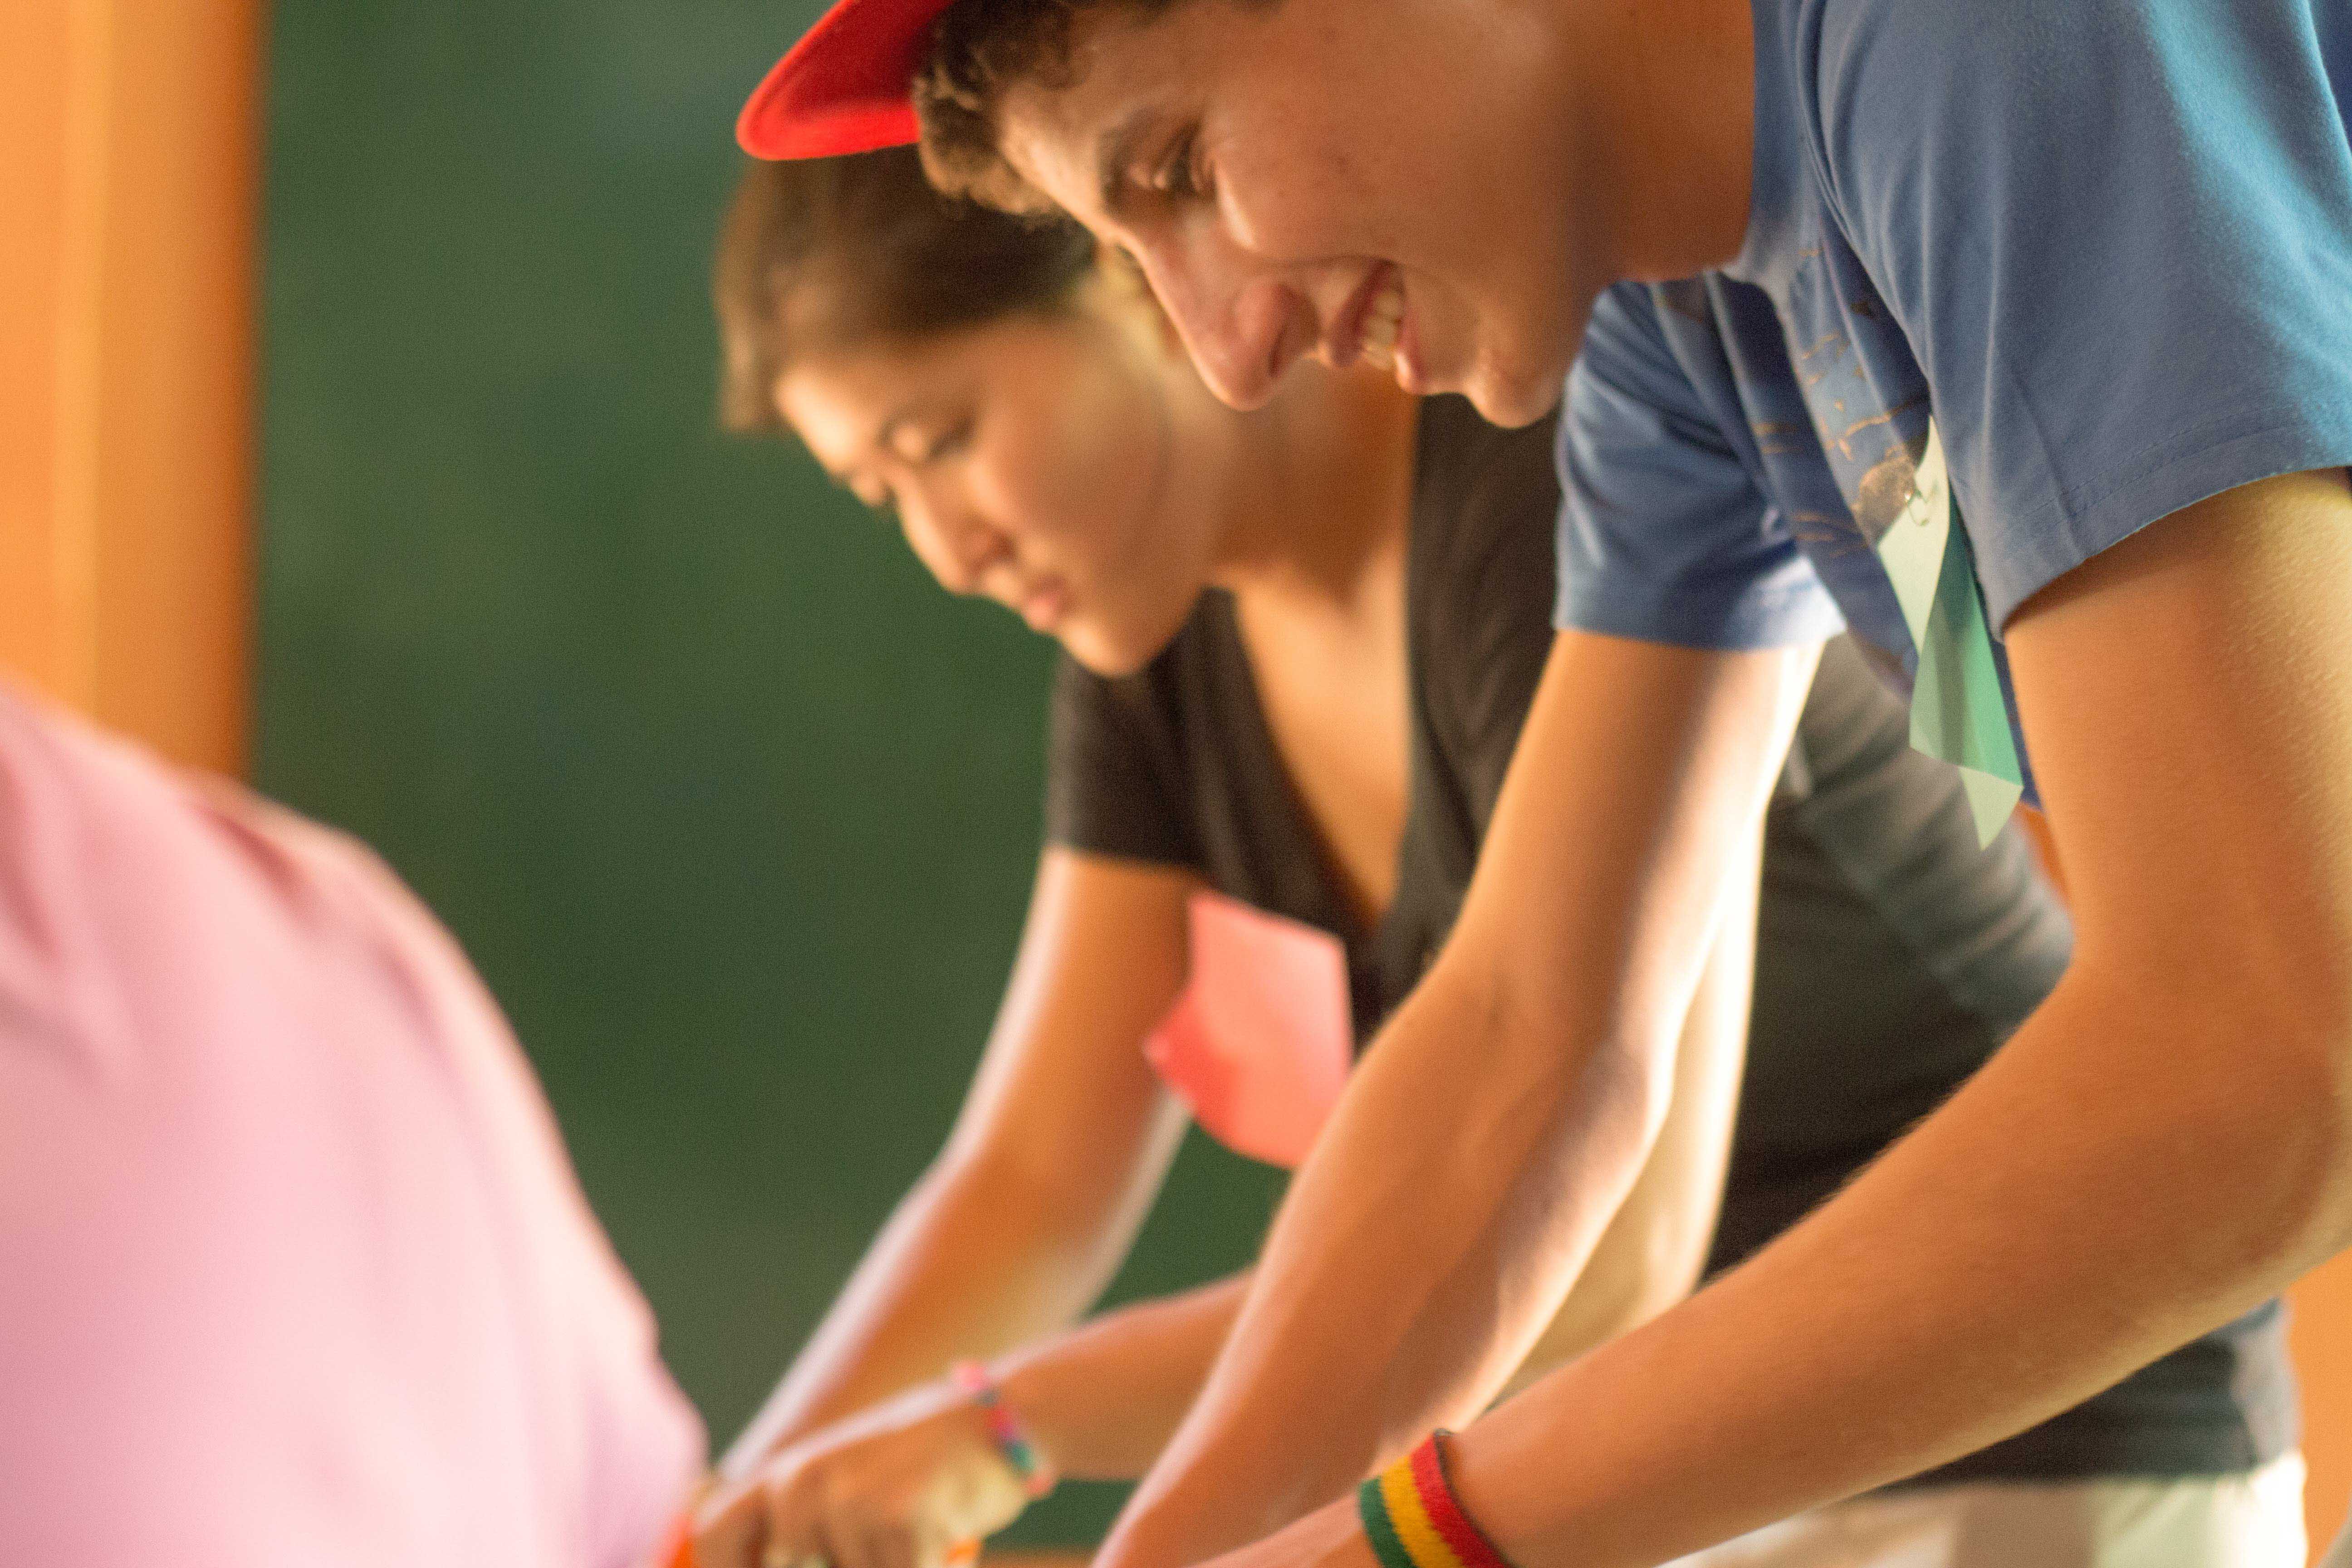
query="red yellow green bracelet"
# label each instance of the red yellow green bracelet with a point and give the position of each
(1414, 1521)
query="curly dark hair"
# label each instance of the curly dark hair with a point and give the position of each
(982, 48)
(834, 252)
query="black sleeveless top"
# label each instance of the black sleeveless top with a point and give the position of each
(1892, 955)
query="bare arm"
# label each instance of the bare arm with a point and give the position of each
(1060, 1147)
(2163, 1145)
(1104, 1399)
(1405, 1278)
(900, 1482)
(1654, 1249)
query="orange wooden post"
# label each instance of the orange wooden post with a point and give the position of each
(126, 361)
(2323, 1355)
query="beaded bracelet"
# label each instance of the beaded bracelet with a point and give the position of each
(1413, 1520)
(1011, 1436)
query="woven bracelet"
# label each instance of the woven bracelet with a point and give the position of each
(1007, 1430)
(1413, 1519)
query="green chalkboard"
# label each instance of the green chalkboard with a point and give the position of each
(733, 808)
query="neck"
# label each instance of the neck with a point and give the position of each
(1669, 91)
(1322, 500)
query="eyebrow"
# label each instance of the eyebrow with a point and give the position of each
(1115, 152)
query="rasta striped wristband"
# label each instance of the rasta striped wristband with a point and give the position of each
(1007, 1430)
(1413, 1520)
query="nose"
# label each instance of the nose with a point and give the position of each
(1242, 327)
(954, 545)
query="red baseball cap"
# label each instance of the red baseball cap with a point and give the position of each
(843, 87)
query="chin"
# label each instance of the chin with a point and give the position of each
(1513, 401)
(1112, 658)
(1116, 651)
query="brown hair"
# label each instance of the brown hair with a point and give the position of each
(982, 48)
(834, 252)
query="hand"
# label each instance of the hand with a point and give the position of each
(910, 1483)
(1331, 1536)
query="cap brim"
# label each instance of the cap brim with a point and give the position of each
(843, 87)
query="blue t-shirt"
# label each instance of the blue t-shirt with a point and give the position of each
(2105, 244)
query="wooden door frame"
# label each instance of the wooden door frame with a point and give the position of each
(127, 287)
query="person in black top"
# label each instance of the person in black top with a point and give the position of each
(1299, 647)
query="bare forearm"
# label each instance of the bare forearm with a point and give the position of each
(1655, 1249)
(1104, 1398)
(904, 1478)
(2114, 1184)
(1497, 1124)
(1060, 1147)
(965, 1267)
(2167, 1142)
(1401, 1283)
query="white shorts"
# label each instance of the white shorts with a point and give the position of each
(2248, 1520)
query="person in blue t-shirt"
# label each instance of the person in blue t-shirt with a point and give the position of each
(2016, 337)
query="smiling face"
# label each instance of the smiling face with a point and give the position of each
(1049, 461)
(1390, 180)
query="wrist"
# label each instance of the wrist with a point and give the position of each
(1412, 1516)
(1352, 1549)
(1008, 1428)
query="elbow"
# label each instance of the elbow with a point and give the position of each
(2285, 1030)
(2314, 1045)
(2254, 1055)
(2293, 1134)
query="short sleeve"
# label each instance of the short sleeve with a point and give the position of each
(1114, 770)
(2118, 238)
(1665, 534)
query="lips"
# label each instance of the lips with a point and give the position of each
(1042, 598)
(1044, 604)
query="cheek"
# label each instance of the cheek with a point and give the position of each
(1285, 201)
(1107, 489)
(1090, 460)
(1317, 170)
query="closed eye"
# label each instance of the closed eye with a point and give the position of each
(1180, 173)
(949, 443)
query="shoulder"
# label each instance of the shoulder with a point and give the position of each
(2113, 236)
(1653, 371)
(1900, 84)
(1846, 43)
